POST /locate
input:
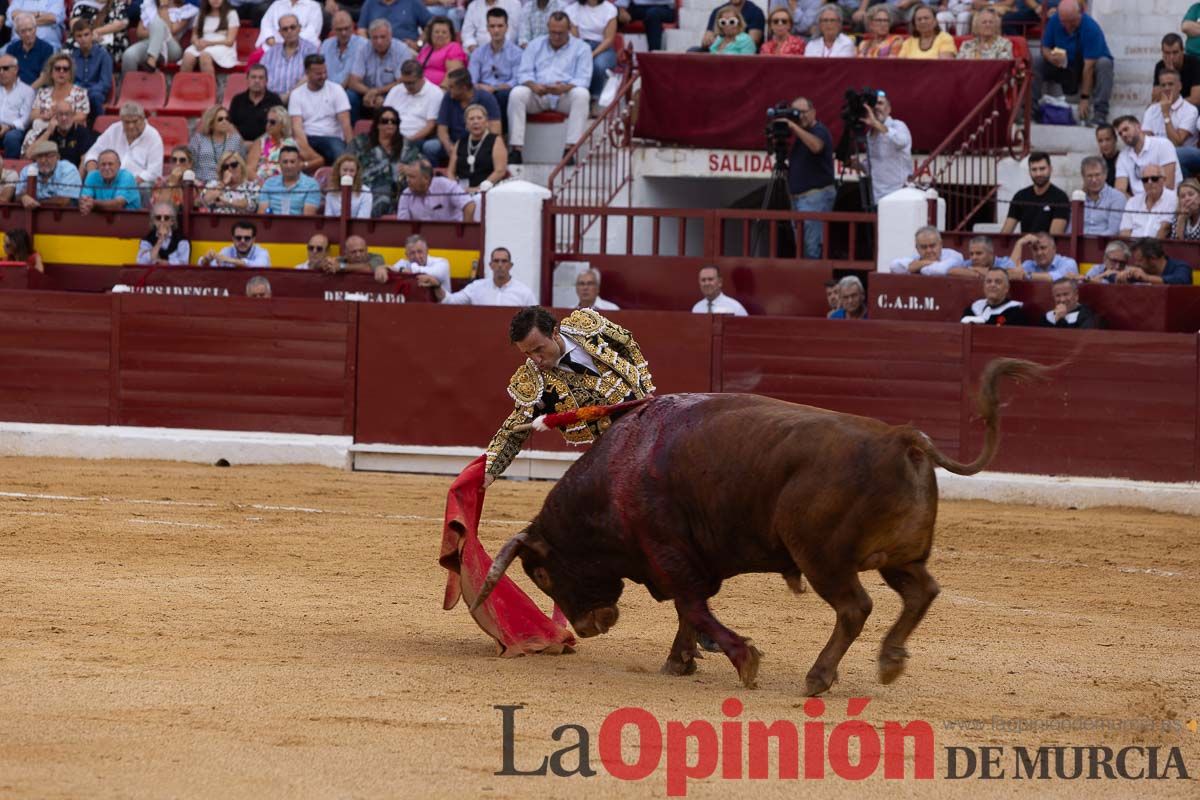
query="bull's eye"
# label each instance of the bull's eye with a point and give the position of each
(541, 578)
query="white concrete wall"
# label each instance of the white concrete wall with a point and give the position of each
(514, 220)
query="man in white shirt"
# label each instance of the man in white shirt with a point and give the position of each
(889, 147)
(931, 258)
(716, 302)
(1140, 152)
(474, 27)
(587, 289)
(307, 12)
(16, 101)
(417, 101)
(320, 111)
(417, 261)
(139, 146)
(502, 289)
(1174, 119)
(1151, 212)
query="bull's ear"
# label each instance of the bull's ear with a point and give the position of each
(538, 546)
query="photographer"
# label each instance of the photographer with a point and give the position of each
(810, 171)
(889, 148)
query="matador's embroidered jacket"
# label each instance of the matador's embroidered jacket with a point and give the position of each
(624, 375)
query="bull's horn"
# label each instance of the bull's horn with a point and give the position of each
(503, 559)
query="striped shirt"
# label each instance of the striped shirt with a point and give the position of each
(284, 73)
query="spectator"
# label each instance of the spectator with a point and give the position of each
(360, 199)
(214, 38)
(1191, 29)
(214, 137)
(307, 14)
(889, 149)
(285, 62)
(730, 37)
(501, 289)
(263, 159)
(244, 252)
(879, 42)
(170, 188)
(231, 192)
(831, 43)
(555, 72)
(929, 41)
(1102, 204)
(320, 112)
(780, 39)
(995, 307)
(57, 181)
(479, 159)
(987, 41)
(1018, 17)
(931, 258)
(1150, 213)
(587, 290)
(1188, 67)
(494, 66)
(139, 145)
(1174, 119)
(535, 20)
(1042, 206)
(981, 257)
(248, 109)
(460, 95)
(342, 51)
(810, 172)
(408, 18)
(1075, 59)
(355, 258)
(1068, 312)
(833, 295)
(1106, 142)
(1187, 219)
(93, 66)
(430, 199)
(441, 54)
(72, 138)
(49, 18)
(475, 25)
(56, 84)
(852, 300)
(110, 26)
(1151, 265)
(595, 21)
(164, 244)
(16, 101)
(376, 71)
(318, 253)
(715, 301)
(380, 153)
(259, 288)
(291, 192)
(956, 15)
(417, 261)
(654, 14)
(19, 247)
(109, 188)
(28, 49)
(1116, 261)
(159, 33)
(418, 102)
(1047, 263)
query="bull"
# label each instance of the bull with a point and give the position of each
(691, 489)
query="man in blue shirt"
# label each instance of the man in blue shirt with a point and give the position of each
(109, 188)
(57, 181)
(452, 116)
(49, 16)
(1047, 263)
(291, 191)
(494, 66)
(1151, 265)
(1074, 58)
(342, 51)
(652, 13)
(407, 17)
(30, 52)
(555, 74)
(244, 252)
(93, 65)
(810, 171)
(1103, 205)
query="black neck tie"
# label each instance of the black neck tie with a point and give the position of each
(578, 369)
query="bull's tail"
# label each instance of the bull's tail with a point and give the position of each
(989, 409)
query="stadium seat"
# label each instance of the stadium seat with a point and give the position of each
(322, 176)
(235, 84)
(246, 37)
(637, 26)
(545, 118)
(148, 89)
(362, 126)
(174, 132)
(104, 122)
(192, 93)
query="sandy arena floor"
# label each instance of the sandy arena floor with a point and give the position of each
(187, 631)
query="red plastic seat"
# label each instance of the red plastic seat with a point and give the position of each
(235, 84)
(147, 89)
(637, 26)
(174, 132)
(322, 176)
(192, 93)
(246, 37)
(362, 126)
(545, 117)
(104, 122)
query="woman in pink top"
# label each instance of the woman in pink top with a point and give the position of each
(781, 41)
(441, 53)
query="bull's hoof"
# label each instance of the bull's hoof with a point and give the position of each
(891, 664)
(748, 671)
(679, 668)
(816, 684)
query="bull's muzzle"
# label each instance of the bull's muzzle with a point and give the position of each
(596, 621)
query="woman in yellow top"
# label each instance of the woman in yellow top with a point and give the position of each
(929, 41)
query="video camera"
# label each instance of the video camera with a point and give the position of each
(778, 131)
(855, 108)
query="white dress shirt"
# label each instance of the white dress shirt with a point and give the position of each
(578, 355)
(1183, 117)
(1155, 150)
(15, 105)
(1142, 221)
(948, 260)
(485, 292)
(436, 266)
(143, 156)
(891, 158)
(722, 304)
(307, 11)
(474, 27)
(843, 47)
(603, 305)
(415, 110)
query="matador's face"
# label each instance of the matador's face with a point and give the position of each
(543, 350)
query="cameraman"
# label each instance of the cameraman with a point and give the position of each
(889, 147)
(810, 171)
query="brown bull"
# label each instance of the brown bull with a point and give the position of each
(691, 489)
